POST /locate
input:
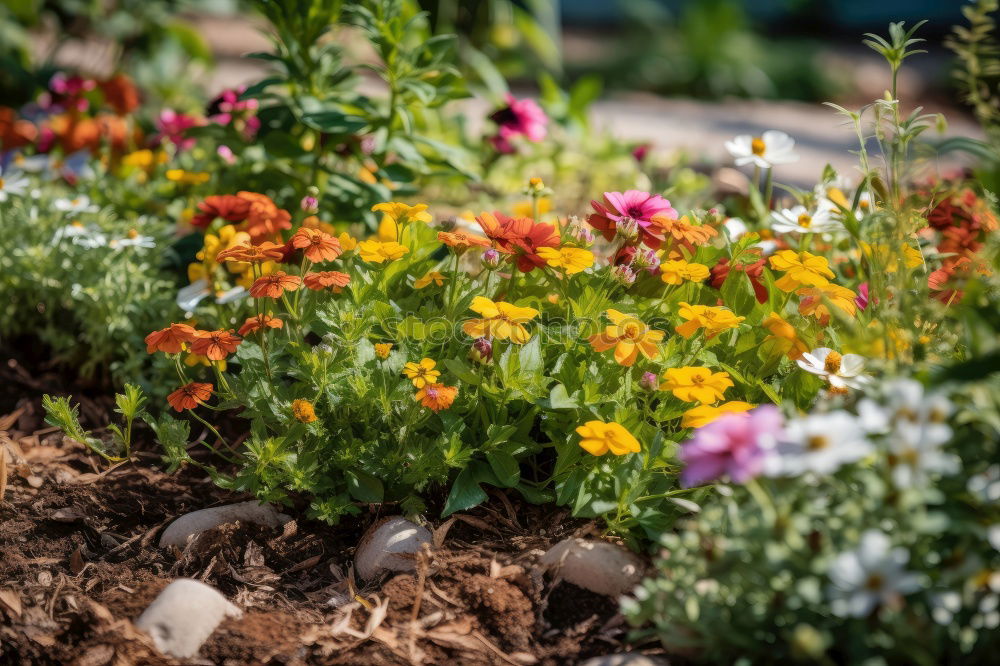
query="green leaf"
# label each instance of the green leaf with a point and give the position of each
(334, 122)
(461, 370)
(465, 491)
(505, 467)
(364, 487)
(560, 399)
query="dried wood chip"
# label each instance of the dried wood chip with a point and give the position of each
(11, 600)
(76, 563)
(3, 472)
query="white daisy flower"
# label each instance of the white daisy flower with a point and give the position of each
(905, 402)
(78, 204)
(12, 183)
(188, 297)
(869, 576)
(764, 151)
(840, 371)
(799, 220)
(80, 235)
(735, 227)
(986, 485)
(916, 455)
(819, 443)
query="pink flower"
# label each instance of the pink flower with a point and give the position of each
(519, 117)
(172, 126)
(226, 153)
(619, 207)
(735, 445)
(229, 109)
(861, 300)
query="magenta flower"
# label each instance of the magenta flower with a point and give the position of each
(861, 300)
(172, 125)
(229, 109)
(620, 207)
(735, 445)
(519, 117)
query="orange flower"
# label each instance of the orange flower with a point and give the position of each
(215, 345)
(682, 231)
(274, 285)
(264, 218)
(461, 241)
(170, 340)
(323, 279)
(260, 321)
(520, 236)
(251, 254)
(227, 206)
(436, 396)
(189, 395)
(629, 336)
(120, 94)
(316, 245)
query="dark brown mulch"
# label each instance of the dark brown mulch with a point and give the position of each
(78, 546)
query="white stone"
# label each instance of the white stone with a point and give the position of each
(628, 659)
(597, 566)
(184, 615)
(390, 545)
(177, 532)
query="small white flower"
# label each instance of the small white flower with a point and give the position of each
(905, 402)
(799, 220)
(869, 576)
(234, 294)
(188, 297)
(841, 371)
(767, 247)
(134, 241)
(916, 455)
(770, 148)
(735, 227)
(986, 486)
(80, 235)
(819, 443)
(79, 204)
(12, 183)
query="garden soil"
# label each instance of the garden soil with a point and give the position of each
(79, 560)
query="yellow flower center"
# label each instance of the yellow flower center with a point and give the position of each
(1, 183)
(805, 220)
(817, 442)
(874, 582)
(832, 362)
(132, 233)
(632, 330)
(758, 147)
(697, 379)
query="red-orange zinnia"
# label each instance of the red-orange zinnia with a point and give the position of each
(436, 396)
(229, 207)
(189, 395)
(324, 279)
(521, 236)
(252, 254)
(170, 340)
(215, 345)
(461, 241)
(316, 245)
(274, 285)
(260, 321)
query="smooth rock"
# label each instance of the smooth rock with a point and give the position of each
(178, 531)
(390, 545)
(184, 615)
(597, 566)
(629, 659)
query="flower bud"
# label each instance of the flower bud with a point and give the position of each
(646, 258)
(491, 259)
(648, 381)
(583, 236)
(627, 229)
(310, 204)
(623, 275)
(481, 351)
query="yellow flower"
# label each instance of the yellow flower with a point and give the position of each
(629, 336)
(422, 373)
(675, 271)
(702, 415)
(430, 276)
(187, 177)
(500, 320)
(570, 259)
(783, 338)
(347, 242)
(881, 255)
(144, 158)
(814, 300)
(382, 349)
(192, 360)
(303, 411)
(693, 384)
(713, 319)
(397, 215)
(598, 437)
(800, 268)
(524, 209)
(381, 251)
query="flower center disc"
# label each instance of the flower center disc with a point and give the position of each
(758, 147)
(832, 362)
